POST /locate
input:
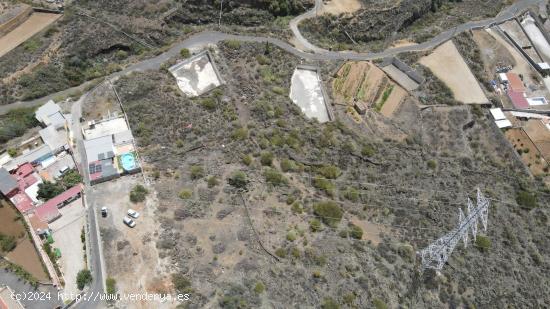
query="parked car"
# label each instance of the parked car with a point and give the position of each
(129, 222)
(104, 212)
(132, 213)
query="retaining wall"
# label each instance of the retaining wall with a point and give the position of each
(17, 20)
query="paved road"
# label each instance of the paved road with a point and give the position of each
(95, 258)
(213, 37)
(22, 288)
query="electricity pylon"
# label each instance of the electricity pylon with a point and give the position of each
(437, 253)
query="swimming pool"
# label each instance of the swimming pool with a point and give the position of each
(128, 161)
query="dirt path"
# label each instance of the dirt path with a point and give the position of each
(30, 27)
(447, 64)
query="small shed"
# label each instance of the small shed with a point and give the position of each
(360, 108)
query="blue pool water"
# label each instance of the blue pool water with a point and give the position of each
(128, 161)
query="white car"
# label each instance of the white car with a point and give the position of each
(132, 213)
(129, 222)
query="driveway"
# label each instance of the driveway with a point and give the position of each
(66, 233)
(20, 287)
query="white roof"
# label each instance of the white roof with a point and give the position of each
(544, 65)
(55, 139)
(5, 158)
(503, 123)
(502, 77)
(32, 191)
(107, 127)
(529, 115)
(497, 113)
(44, 111)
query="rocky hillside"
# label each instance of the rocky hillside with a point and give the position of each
(382, 22)
(259, 206)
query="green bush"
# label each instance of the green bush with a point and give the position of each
(197, 172)
(329, 303)
(185, 53)
(209, 104)
(432, 164)
(483, 243)
(526, 200)
(138, 194)
(247, 159)
(330, 171)
(212, 181)
(315, 225)
(181, 283)
(297, 207)
(368, 151)
(240, 134)
(291, 236)
(259, 288)
(324, 185)
(288, 166)
(272, 176)
(83, 278)
(355, 231)
(266, 158)
(351, 194)
(111, 286)
(379, 304)
(185, 194)
(7, 243)
(233, 44)
(329, 212)
(280, 252)
(238, 180)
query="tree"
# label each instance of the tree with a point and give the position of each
(138, 194)
(83, 278)
(71, 179)
(185, 53)
(355, 231)
(48, 190)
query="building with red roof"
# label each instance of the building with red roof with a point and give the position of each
(518, 99)
(22, 202)
(514, 82)
(49, 211)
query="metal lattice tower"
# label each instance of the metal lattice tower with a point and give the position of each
(437, 253)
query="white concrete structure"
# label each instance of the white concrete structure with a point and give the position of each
(536, 37)
(497, 113)
(306, 92)
(196, 76)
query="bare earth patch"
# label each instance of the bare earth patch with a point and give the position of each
(447, 64)
(30, 27)
(337, 7)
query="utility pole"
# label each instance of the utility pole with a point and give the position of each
(220, 18)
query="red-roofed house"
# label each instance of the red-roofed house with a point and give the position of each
(515, 82)
(48, 211)
(518, 99)
(22, 202)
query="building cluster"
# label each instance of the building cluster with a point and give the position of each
(45, 157)
(110, 152)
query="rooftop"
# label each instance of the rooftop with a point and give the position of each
(105, 127)
(38, 154)
(48, 211)
(44, 112)
(54, 138)
(22, 202)
(99, 148)
(7, 182)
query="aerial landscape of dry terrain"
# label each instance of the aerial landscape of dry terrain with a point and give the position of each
(274, 154)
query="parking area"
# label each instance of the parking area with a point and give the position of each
(66, 233)
(130, 254)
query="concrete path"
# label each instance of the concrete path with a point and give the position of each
(22, 288)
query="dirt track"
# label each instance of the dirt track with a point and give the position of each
(447, 64)
(30, 27)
